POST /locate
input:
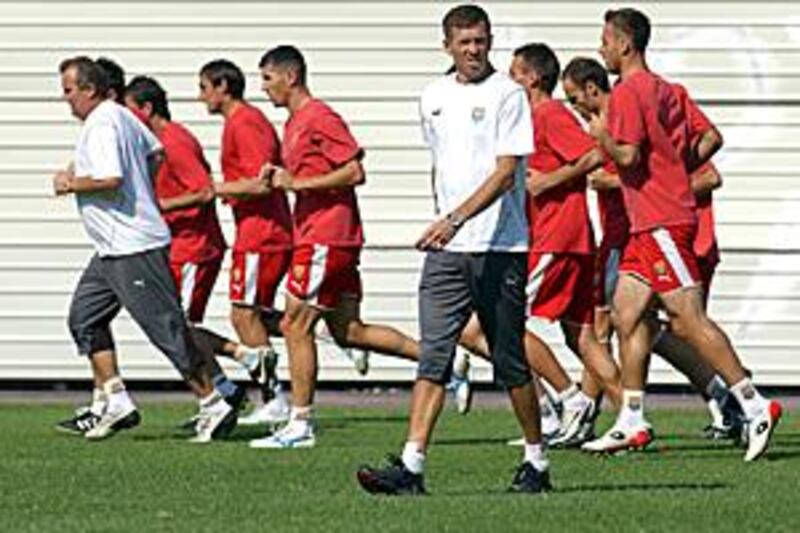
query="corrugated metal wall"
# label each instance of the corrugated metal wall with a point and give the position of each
(369, 60)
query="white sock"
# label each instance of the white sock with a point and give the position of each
(576, 398)
(753, 404)
(535, 455)
(413, 458)
(632, 412)
(717, 419)
(568, 393)
(300, 415)
(212, 402)
(116, 394)
(717, 389)
(248, 356)
(99, 402)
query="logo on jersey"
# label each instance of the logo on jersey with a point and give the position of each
(660, 268)
(436, 112)
(478, 113)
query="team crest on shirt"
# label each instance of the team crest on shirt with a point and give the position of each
(478, 113)
(236, 273)
(660, 268)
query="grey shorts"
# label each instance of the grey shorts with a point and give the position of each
(492, 284)
(142, 284)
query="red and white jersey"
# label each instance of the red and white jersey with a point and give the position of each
(317, 141)
(196, 233)
(249, 142)
(559, 217)
(645, 112)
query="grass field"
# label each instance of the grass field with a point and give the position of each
(149, 479)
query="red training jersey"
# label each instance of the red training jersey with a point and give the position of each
(317, 141)
(559, 217)
(644, 111)
(196, 233)
(611, 207)
(249, 142)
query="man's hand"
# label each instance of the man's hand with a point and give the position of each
(281, 179)
(437, 235)
(598, 125)
(61, 182)
(207, 195)
(535, 182)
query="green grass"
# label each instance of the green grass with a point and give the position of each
(149, 479)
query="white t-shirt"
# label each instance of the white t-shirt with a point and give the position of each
(125, 221)
(467, 126)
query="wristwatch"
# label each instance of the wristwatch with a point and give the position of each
(455, 220)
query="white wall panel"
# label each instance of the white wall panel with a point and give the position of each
(741, 60)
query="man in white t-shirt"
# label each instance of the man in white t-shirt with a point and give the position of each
(114, 161)
(477, 124)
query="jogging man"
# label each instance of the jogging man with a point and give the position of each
(114, 161)
(477, 124)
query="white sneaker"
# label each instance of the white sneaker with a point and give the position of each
(293, 435)
(360, 359)
(759, 430)
(276, 411)
(573, 416)
(213, 422)
(550, 429)
(114, 418)
(619, 439)
(461, 390)
(461, 364)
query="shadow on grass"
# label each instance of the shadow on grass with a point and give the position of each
(470, 441)
(602, 487)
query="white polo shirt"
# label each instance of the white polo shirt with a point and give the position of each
(467, 126)
(114, 143)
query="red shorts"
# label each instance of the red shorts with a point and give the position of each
(194, 282)
(255, 276)
(321, 275)
(662, 258)
(560, 287)
(606, 274)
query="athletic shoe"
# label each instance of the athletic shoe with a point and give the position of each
(529, 480)
(619, 439)
(83, 421)
(190, 424)
(759, 430)
(461, 390)
(276, 411)
(215, 421)
(264, 374)
(572, 419)
(461, 364)
(727, 420)
(393, 479)
(238, 401)
(549, 432)
(292, 435)
(360, 359)
(114, 419)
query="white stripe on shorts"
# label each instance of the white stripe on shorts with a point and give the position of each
(188, 281)
(316, 274)
(536, 277)
(250, 277)
(673, 256)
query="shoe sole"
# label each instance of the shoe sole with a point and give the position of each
(467, 407)
(305, 443)
(226, 426)
(129, 421)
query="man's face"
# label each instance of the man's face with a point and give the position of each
(579, 99)
(276, 82)
(469, 48)
(521, 73)
(81, 100)
(143, 112)
(212, 96)
(611, 48)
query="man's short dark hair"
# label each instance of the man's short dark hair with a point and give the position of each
(582, 70)
(632, 23)
(116, 76)
(286, 56)
(465, 16)
(221, 70)
(543, 61)
(87, 74)
(143, 89)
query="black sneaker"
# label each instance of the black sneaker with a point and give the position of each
(264, 375)
(238, 400)
(529, 480)
(79, 424)
(394, 479)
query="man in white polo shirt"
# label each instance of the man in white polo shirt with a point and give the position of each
(115, 158)
(477, 124)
